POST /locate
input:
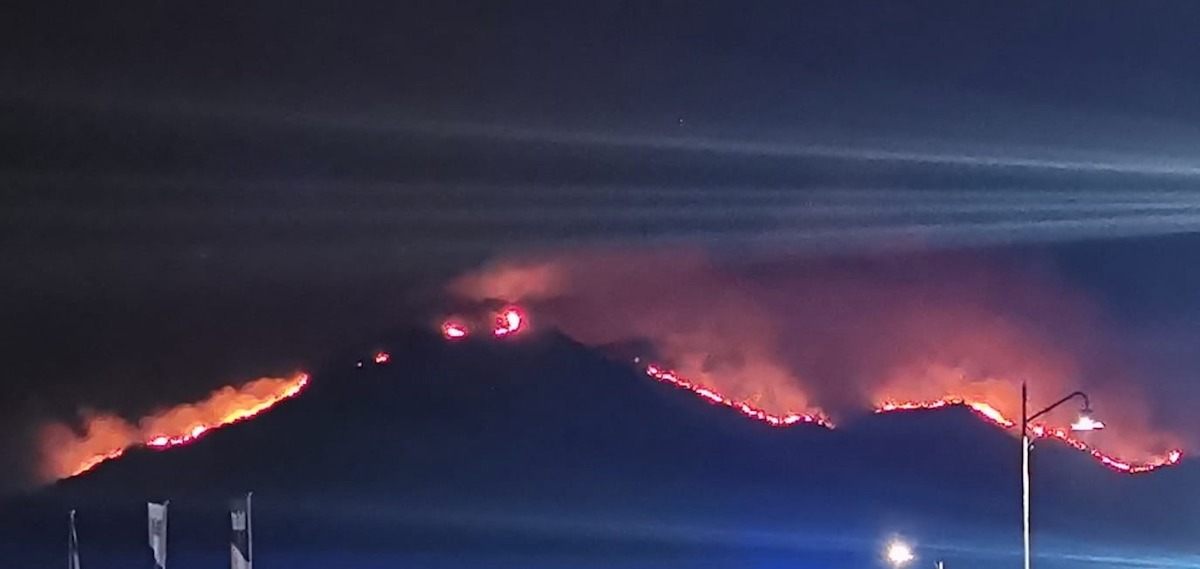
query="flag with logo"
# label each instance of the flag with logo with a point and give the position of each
(157, 516)
(239, 542)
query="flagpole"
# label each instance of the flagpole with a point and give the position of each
(249, 530)
(71, 543)
(165, 514)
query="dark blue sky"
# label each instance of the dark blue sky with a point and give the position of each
(622, 57)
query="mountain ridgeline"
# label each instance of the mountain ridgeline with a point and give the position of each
(539, 448)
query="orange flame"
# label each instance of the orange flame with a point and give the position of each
(743, 407)
(982, 409)
(785, 337)
(106, 437)
(508, 322)
(453, 330)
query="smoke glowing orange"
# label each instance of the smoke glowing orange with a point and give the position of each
(809, 337)
(105, 437)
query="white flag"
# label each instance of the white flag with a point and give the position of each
(157, 516)
(73, 546)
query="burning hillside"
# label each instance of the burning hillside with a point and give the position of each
(787, 347)
(68, 452)
(726, 353)
(984, 410)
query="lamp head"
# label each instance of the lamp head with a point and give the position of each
(1085, 422)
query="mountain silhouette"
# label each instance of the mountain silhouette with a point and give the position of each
(539, 450)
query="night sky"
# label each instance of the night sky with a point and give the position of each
(200, 193)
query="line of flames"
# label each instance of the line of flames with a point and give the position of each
(668, 376)
(508, 322)
(164, 442)
(983, 410)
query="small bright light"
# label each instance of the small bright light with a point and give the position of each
(507, 322)
(382, 358)
(453, 330)
(1086, 423)
(899, 554)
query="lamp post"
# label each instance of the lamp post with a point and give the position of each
(1085, 423)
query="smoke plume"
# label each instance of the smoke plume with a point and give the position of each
(68, 451)
(843, 337)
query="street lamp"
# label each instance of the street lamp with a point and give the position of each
(1084, 423)
(899, 554)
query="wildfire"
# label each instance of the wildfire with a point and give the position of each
(453, 330)
(508, 322)
(770, 343)
(983, 410)
(94, 461)
(107, 437)
(504, 323)
(511, 320)
(668, 376)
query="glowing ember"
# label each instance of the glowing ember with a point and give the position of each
(108, 437)
(162, 442)
(508, 322)
(453, 330)
(382, 357)
(668, 376)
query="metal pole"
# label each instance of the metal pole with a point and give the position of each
(71, 543)
(249, 531)
(1025, 469)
